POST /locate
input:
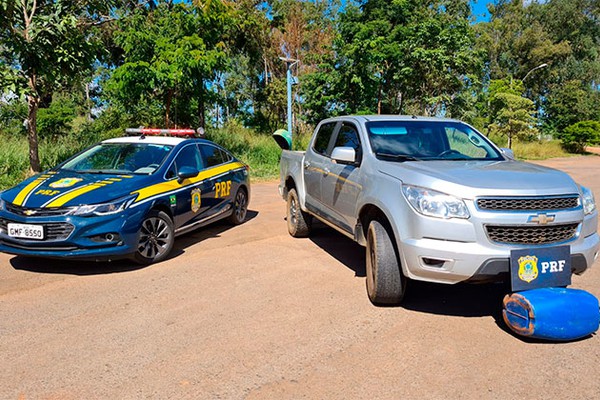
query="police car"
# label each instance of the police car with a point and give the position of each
(125, 197)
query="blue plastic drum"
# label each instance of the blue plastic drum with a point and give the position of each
(558, 314)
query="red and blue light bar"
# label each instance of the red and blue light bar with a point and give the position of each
(162, 132)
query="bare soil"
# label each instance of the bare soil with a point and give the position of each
(248, 312)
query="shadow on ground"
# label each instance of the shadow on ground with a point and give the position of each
(90, 267)
(463, 300)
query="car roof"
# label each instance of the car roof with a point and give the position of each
(168, 140)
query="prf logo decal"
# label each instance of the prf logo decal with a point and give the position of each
(222, 189)
(65, 182)
(528, 270)
(196, 200)
(47, 192)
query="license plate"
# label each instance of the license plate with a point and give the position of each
(538, 268)
(26, 231)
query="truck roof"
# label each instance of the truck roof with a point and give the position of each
(392, 117)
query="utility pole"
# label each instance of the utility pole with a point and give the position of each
(290, 62)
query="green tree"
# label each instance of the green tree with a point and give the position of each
(44, 43)
(581, 134)
(511, 114)
(404, 56)
(169, 55)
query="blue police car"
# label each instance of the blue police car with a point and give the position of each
(125, 197)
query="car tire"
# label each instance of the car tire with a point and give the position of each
(240, 207)
(298, 222)
(386, 285)
(155, 238)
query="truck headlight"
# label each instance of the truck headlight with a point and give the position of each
(589, 205)
(103, 208)
(435, 204)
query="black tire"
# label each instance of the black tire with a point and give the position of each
(298, 222)
(155, 238)
(386, 284)
(240, 207)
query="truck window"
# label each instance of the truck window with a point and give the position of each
(348, 137)
(323, 138)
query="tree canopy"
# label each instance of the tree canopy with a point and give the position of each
(532, 69)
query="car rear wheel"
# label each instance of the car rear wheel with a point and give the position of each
(155, 239)
(298, 222)
(386, 284)
(240, 207)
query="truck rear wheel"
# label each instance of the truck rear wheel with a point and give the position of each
(386, 284)
(298, 221)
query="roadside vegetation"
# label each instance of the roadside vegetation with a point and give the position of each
(76, 71)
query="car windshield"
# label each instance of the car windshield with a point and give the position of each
(119, 158)
(428, 140)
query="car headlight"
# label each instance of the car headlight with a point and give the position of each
(589, 204)
(103, 208)
(435, 204)
(1, 203)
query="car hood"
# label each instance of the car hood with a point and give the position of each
(63, 188)
(470, 179)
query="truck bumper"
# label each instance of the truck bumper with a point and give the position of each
(446, 261)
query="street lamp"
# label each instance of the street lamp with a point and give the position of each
(290, 62)
(544, 65)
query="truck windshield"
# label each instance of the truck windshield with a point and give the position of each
(428, 140)
(111, 158)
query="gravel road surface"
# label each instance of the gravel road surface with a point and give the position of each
(248, 312)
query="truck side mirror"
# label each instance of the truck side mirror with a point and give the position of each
(343, 154)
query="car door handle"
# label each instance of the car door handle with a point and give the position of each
(326, 171)
(306, 164)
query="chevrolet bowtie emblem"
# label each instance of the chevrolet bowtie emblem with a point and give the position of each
(541, 219)
(29, 212)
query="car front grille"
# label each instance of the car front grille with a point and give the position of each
(37, 212)
(531, 234)
(528, 203)
(52, 230)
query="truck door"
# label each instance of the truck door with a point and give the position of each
(341, 186)
(315, 161)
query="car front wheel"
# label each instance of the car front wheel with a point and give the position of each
(155, 238)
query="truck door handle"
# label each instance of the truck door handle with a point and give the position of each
(306, 164)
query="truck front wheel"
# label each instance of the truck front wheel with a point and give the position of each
(298, 221)
(386, 284)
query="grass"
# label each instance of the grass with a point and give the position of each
(257, 150)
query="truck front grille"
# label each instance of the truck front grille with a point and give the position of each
(531, 234)
(52, 230)
(528, 203)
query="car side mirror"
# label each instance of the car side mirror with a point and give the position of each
(186, 173)
(346, 155)
(508, 153)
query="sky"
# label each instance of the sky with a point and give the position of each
(480, 9)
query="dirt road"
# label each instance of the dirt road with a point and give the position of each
(251, 313)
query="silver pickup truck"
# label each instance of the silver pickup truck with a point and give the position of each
(432, 199)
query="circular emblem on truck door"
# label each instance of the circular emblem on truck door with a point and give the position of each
(196, 199)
